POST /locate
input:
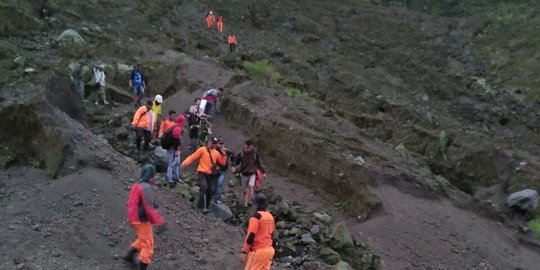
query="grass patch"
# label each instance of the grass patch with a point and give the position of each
(262, 69)
(534, 225)
(294, 92)
(505, 14)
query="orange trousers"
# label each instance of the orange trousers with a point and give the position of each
(210, 24)
(145, 241)
(260, 259)
(220, 27)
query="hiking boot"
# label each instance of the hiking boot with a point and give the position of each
(219, 202)
(179, 181)
(205, 211)
(130, 257)
(143, 266)
(106, 103)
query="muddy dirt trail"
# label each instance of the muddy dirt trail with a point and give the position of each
(414, 231)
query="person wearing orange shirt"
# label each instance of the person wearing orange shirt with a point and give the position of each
(210, 20)
(167, 123)
(208, 157)
(232, 42)
(258, 250)
(220, 24)
(143, 123)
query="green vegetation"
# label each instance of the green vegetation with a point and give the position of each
(294, 92)
(262, 69)
(506, 13)
(534, 225)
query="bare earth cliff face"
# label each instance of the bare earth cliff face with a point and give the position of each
(411, 128)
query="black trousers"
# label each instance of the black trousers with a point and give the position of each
(232, 47)
(141, 133)
(207, 187)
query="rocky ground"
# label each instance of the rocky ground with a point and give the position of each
(392, 149)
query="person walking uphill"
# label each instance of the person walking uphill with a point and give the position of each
(247, 163)
(258, 250)
(142, 213)
(232, 42)
(143, 123)
(137, 83)
(207, 170)
(99, 82)
(210, 19)
(220, 24)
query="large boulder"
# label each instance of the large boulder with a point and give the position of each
(221, 211)
(341, 237)
(329, 255)
(71, 37)
(526, 199)
(341, 265)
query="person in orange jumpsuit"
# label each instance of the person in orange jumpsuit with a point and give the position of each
(142, 213)
(232, 42)
(210, 20)
(258, 251)
(220, 24)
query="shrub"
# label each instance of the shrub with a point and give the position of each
(505, 14)
(294, 92)
(261, 69)
(534, 225)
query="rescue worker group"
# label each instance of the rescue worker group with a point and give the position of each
(215, 162)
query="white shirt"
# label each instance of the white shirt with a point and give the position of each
(99, 76)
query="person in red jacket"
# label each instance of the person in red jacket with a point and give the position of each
(232, 42)
(220, 24)
(258, 250)
(142, 213)
(210, 20)
(173, 169)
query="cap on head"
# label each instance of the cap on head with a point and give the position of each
(260, 201)
(210, 12)
(148, 172)
(215, 140)
(158, 99)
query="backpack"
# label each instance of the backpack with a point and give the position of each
(137, 80)
(167, 140)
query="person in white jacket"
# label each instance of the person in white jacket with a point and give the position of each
(99, 82)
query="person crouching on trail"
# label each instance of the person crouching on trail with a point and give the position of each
(143, 123)
(209, 156)
(258, 250)
(210, 19)
(232, 42)
(246, 163)
(142, 213)
(212, 96)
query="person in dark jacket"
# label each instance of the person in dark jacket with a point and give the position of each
(247, 163)
(142, 213)
(224, 172)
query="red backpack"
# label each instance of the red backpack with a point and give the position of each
(259, 178)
